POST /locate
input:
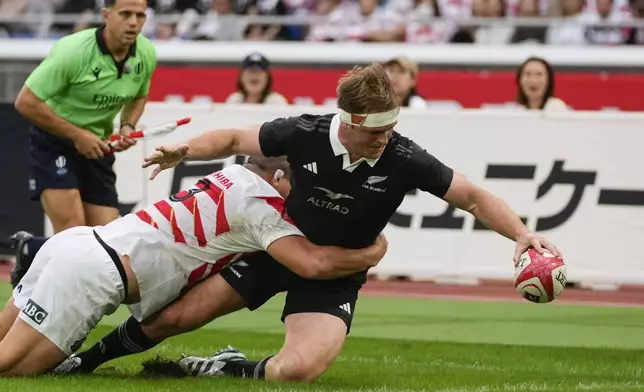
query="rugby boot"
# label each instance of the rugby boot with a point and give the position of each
(210, 366)
(72, 365)
(18, 242)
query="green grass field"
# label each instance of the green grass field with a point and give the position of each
(411, 345)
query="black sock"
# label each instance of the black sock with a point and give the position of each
(33, 245)
(128, 338)
(246, 369)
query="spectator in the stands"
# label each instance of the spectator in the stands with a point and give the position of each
(606, 35)
(257, 32)
(220, 23)
(332, 27)
(255, 83)
(636, 35)
(486, 35)
(187, 12)
(514, 7)
(162, 31)
(9, 8)
(571, 32)
(179, 6)
(535, 81)
(420, 30)
(87, 9)
(403, 73)
(529, 9)
(370, 23)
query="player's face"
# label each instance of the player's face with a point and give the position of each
(368, 142)
(534, 80)
(401, 80)
(125, 19)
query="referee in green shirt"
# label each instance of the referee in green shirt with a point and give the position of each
(72, 99)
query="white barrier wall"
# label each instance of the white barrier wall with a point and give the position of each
(560, 167)
(342, 53)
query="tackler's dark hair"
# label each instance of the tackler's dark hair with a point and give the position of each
(270, 164)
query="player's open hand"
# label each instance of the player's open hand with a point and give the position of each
(90, 145)
(165, 158)
(530, 240)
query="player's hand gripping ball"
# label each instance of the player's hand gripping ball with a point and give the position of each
(539, 277)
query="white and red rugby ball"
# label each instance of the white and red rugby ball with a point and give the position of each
(539, 277)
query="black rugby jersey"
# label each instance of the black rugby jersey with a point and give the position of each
(334, 206)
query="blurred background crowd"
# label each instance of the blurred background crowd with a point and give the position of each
(555, 22)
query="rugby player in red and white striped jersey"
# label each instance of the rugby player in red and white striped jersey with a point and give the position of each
(147, 258)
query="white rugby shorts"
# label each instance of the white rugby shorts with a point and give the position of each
(70, 286)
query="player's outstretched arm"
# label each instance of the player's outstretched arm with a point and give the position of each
(223, 143)
(216, 144)
(272, 139)
(495, 214)
(325, 262)
(431, 175)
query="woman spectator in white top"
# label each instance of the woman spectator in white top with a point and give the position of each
(403, 73)
(536, 86)
(255, 83)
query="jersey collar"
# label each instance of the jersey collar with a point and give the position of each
(340, 149)
(102, 45)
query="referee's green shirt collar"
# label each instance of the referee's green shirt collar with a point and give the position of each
(102, 45)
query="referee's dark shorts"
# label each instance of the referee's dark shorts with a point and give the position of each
(55, 164)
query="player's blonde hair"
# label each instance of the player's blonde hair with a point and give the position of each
(366, 90)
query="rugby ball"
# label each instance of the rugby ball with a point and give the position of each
(540, 278)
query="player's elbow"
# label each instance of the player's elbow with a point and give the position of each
(244, 141)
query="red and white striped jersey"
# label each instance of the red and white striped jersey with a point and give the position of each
(195, 233)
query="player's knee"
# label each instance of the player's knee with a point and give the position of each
(295, 367)
(64, 208)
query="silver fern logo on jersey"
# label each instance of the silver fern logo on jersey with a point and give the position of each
(373, 180)
(332, 195)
